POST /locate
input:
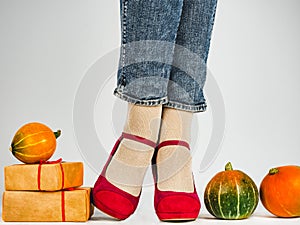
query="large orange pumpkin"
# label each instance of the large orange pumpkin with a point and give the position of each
(280, 191)
(34, 142)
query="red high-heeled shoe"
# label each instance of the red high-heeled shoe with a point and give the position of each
(172, 205)
(110, 199)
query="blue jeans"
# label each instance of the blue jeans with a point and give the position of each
(163, 56)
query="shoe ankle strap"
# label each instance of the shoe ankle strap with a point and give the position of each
(173, 142)
(138, 139)
(152, 143)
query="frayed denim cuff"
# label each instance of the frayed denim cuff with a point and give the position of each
(146, 102)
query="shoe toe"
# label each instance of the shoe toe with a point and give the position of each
(113, 204)
(178, 204)
(178, 207)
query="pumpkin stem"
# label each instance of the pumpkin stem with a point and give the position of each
(273, 171)
(228, 166)
(57, 133)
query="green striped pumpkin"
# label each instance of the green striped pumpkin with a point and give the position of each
(231, 194)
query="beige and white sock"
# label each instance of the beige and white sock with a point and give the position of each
(129, 164)
(174, 163)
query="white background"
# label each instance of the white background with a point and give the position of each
(46, 48)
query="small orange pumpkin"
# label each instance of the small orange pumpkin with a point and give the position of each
(280, 191)
(34, 142)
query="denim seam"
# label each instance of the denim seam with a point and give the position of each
(192, 108)
(211, 24)
(124, 40)
(150, 102)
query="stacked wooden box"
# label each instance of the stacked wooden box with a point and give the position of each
(46, 192)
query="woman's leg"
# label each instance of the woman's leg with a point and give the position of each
(117, 189)
(185, 96)
(148, 35)
(149, 30)
(128, 166)
(189, 69)
(185, 91)
(174, 161)
(175, 194)
(148, 27)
